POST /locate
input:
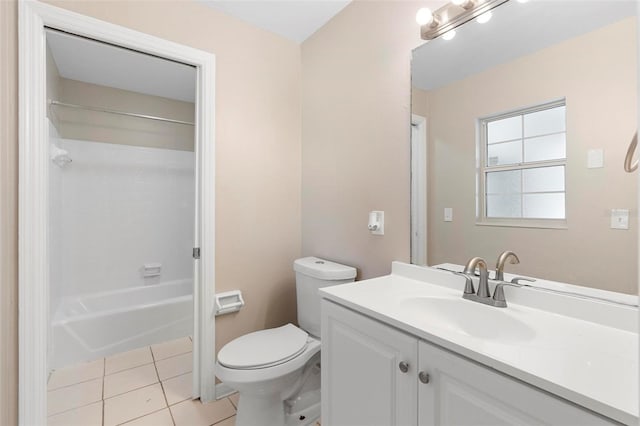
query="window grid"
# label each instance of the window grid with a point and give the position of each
(523, 165)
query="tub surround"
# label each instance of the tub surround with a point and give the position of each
(585, 351)
(116, 208)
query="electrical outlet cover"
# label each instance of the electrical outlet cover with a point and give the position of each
(619, 219)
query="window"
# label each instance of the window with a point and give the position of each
(522, 166)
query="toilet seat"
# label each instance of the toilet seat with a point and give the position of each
(264, 348)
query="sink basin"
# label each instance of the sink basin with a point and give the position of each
(469, 318)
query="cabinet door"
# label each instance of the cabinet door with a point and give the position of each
(462, 392)
(362, 381)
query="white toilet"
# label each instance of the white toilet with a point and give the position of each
(277, 371)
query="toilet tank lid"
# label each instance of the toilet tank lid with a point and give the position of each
(323, 269)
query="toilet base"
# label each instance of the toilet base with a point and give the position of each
(305, 417)
(255, 411)
(262, 411)
(300, 409)
(304, 408)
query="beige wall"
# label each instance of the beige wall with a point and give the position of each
(257, 165)
(597, 75)
(117, 129)
(8, 213)
(53, 85)
(355, 134)
(419, 102)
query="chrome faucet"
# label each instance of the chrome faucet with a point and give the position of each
(502, 259)
(483, 295)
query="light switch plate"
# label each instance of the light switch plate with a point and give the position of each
(619, 219)
(448, 214)
(595, 158)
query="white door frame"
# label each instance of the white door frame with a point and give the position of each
(33, 207)
(419, 191)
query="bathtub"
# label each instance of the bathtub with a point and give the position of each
(88, 327)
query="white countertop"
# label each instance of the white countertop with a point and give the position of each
(585, 351)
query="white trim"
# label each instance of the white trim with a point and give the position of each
(525, 223)
(637, 221)
(419, 202)
(33, 228)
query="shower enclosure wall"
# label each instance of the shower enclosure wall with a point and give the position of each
(122, 227)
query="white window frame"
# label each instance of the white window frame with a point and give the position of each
(482, 169)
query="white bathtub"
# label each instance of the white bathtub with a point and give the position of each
(89, 327)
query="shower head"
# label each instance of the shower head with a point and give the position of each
(60, 157)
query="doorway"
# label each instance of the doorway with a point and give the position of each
(418, 190)
(121, 202)
(41, 163)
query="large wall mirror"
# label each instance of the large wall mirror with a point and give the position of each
(520, 127)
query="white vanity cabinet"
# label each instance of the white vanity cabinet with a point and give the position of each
(364, 383)
(462, 392)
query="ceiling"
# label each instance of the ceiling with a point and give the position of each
(94, 62)
(293, 19)
(516, 29)
(90, 61)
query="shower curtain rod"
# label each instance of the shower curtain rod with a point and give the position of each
(112, 111)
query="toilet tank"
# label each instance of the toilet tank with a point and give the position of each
(313, 273)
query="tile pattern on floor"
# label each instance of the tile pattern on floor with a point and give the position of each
(147, 386)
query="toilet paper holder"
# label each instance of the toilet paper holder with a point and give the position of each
(376, 222)
(228, 302)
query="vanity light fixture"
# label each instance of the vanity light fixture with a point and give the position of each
(452, 15)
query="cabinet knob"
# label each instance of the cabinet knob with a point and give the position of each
(424, 377)
(403, 366)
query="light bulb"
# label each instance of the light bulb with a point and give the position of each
(449, 35)
(485, 17)
(522, 1)
(424, 16)
(463, 3)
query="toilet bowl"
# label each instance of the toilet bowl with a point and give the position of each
(277, 371)
(270, 388)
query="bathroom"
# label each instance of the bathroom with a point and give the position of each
(305, 150)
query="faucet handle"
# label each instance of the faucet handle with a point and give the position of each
(468, 285)
(498, 294)
(517, 280)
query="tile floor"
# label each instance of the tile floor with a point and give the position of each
(149, 386)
